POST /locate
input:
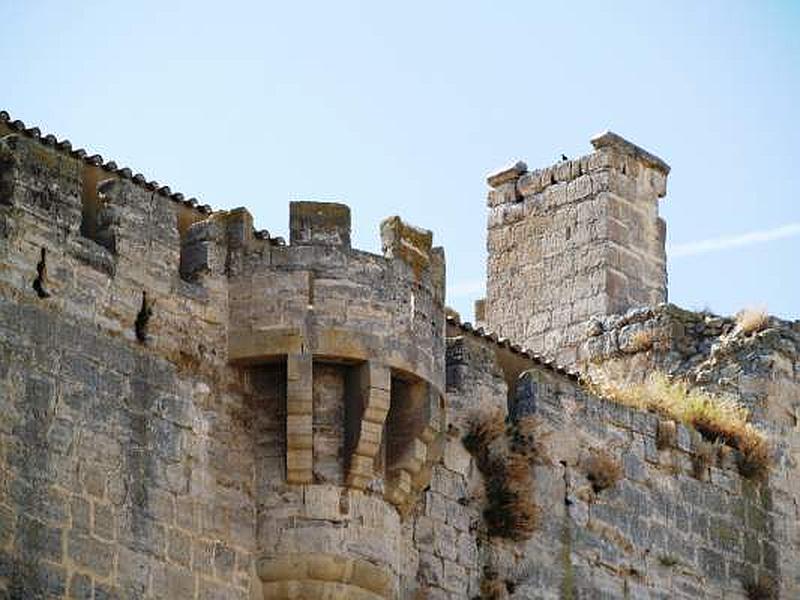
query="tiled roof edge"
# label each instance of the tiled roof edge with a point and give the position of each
(505, 343)
(96, 160)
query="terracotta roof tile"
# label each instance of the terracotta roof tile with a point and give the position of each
(492, 337)
(97, 160)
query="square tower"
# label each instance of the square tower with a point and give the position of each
(579, 238)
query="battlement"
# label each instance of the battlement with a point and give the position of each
(325, 223)
(208, 294)
(613, 154)
(192, 408)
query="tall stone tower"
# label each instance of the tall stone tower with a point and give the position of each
(579, 238)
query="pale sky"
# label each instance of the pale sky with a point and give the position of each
(403, 108)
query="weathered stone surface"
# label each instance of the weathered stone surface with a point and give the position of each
(293, 424)
(580, 238)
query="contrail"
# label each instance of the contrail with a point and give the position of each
(736, 241)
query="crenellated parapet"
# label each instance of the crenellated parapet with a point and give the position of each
(318, 300)
(356, 343)
(191, 408)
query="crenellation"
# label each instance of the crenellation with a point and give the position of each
(325, 223)
(192, 408)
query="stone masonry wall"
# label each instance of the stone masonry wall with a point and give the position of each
(760, 369)
(168, 432)
(673, 526)
(125, 469)
(579, 238)
(193, 409)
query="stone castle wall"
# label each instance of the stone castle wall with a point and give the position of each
(212, 394)
(674, 526)
(582, 237)
(127, 470)
(193, 409)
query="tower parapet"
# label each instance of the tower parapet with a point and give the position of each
(355, 342)
(579, 238)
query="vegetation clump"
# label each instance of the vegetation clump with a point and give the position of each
(644, 340)
(492, 587)
(751, 320)
(669, 561)
(717, 418)
(503, 455)
(602, 470)
(764, 587)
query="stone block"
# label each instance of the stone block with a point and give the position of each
(456, 457)
(431, 569)
(712, 564)
(179, 547)
(455, 578)
(90, 554)
(410, 244)
(683, 437)
(634, 467)
(34, 540)
(324, 223)
(80, 587)
(224, 561)
(81, 514)
(173, 582)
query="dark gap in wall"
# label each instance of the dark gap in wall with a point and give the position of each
(98, 220)
(404, 420)
(353, 412)
(40, 283)
(266, 405)
(192, 258)
(143, 319)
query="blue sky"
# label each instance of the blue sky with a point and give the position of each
(403, 108)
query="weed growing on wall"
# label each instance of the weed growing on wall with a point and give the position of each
(503, 454)
(717, 418)
(602, 470)
(751, 320)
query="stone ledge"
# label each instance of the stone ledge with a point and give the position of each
(507, 174)
(609, 139)
(357, 578)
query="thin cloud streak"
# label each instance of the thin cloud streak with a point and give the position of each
(737, 241)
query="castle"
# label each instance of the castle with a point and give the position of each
(190, 408)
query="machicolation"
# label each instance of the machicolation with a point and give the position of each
(191, 408)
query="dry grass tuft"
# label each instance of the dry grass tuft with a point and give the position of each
(484, 429)
(643, 340)
(492, 587)
(506, 467)
(755, 457)
(764, 588)
(751, 320)
(602, 470)
(525, 440)
(717, 418)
